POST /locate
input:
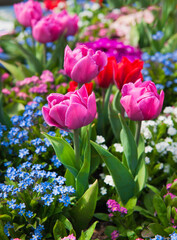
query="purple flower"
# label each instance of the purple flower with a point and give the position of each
(112, 47)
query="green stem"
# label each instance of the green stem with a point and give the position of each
(79, 85)
(44, 54)
(138, 130)
(103, 96)
(76, 147)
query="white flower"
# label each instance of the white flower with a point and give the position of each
(103, 191)
(100, 139)
(104, 146)
(86, 13)
(161, 166)
(147, 134)
(162, 147)
(171, 131)
(101, 16)
(148, 149)
(168, 110)
(103, 164)
(168, 121)
(102, 175)
(168, 140)
(166, 168)
(147, 160)
(118, 147)
(108, 180)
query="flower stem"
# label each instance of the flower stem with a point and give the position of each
(44, 54)
(76, 147)
(138, 130)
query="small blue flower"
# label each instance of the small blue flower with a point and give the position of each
(23, 152)
(29, 214)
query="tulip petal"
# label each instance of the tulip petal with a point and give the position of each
(48, 119)
(84, 70)
(149, 107)
(57, 112)
(101, 59)
(131, 107)
(83, 94)
(91, 109)
(75, 116)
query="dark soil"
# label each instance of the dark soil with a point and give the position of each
(99, 231)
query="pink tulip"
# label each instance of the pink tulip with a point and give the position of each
(141, 100)
(82, 64)
(47, 29)
(26, 12)
(70, 111)
(68, 23)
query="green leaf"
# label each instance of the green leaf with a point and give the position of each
(115, 122)
(102, 216)
(156, 228)
(83, 175)
(171, 44)
(161, 209)
(15, 71)
(134, 36)
(13, 108)
(152, 188)
(116, 102)
(5, 217)
(88, 234)
(33, 62)
(123, 179)
(82, 212)
(64, 152)
(141, 176)
(129, 146)
(59, 230)
(70, 180)
(17, 226)
(145, 213)
(66, 222)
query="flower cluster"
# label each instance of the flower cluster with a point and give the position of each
(43, 188)
(115, 48)
(114, 206)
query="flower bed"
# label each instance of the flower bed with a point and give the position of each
(88, 121)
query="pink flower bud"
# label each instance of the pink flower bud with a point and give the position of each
(141, 100)
(82, 64)
(70, 111)
(28, 11)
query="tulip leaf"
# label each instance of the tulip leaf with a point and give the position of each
(129, 146)
(82, 212)
(115, 122)
(88, 234)
(64, 152)
(116, 102)
(33, 62)
(161, 209)
(70, 180)
(123, 179)
(59, 230)
(141, 171)
(14, 70)
(83, 175)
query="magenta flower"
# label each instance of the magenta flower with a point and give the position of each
(114, 235)
(26, 12)
(68, 23)
(112, 47)
(82, 64)
(69, 237)
(141, 100)
(47, 29)
(70, 111)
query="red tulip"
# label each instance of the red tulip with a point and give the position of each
(73, 85)
(107, 75)
(128, 71)
(51, 4)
